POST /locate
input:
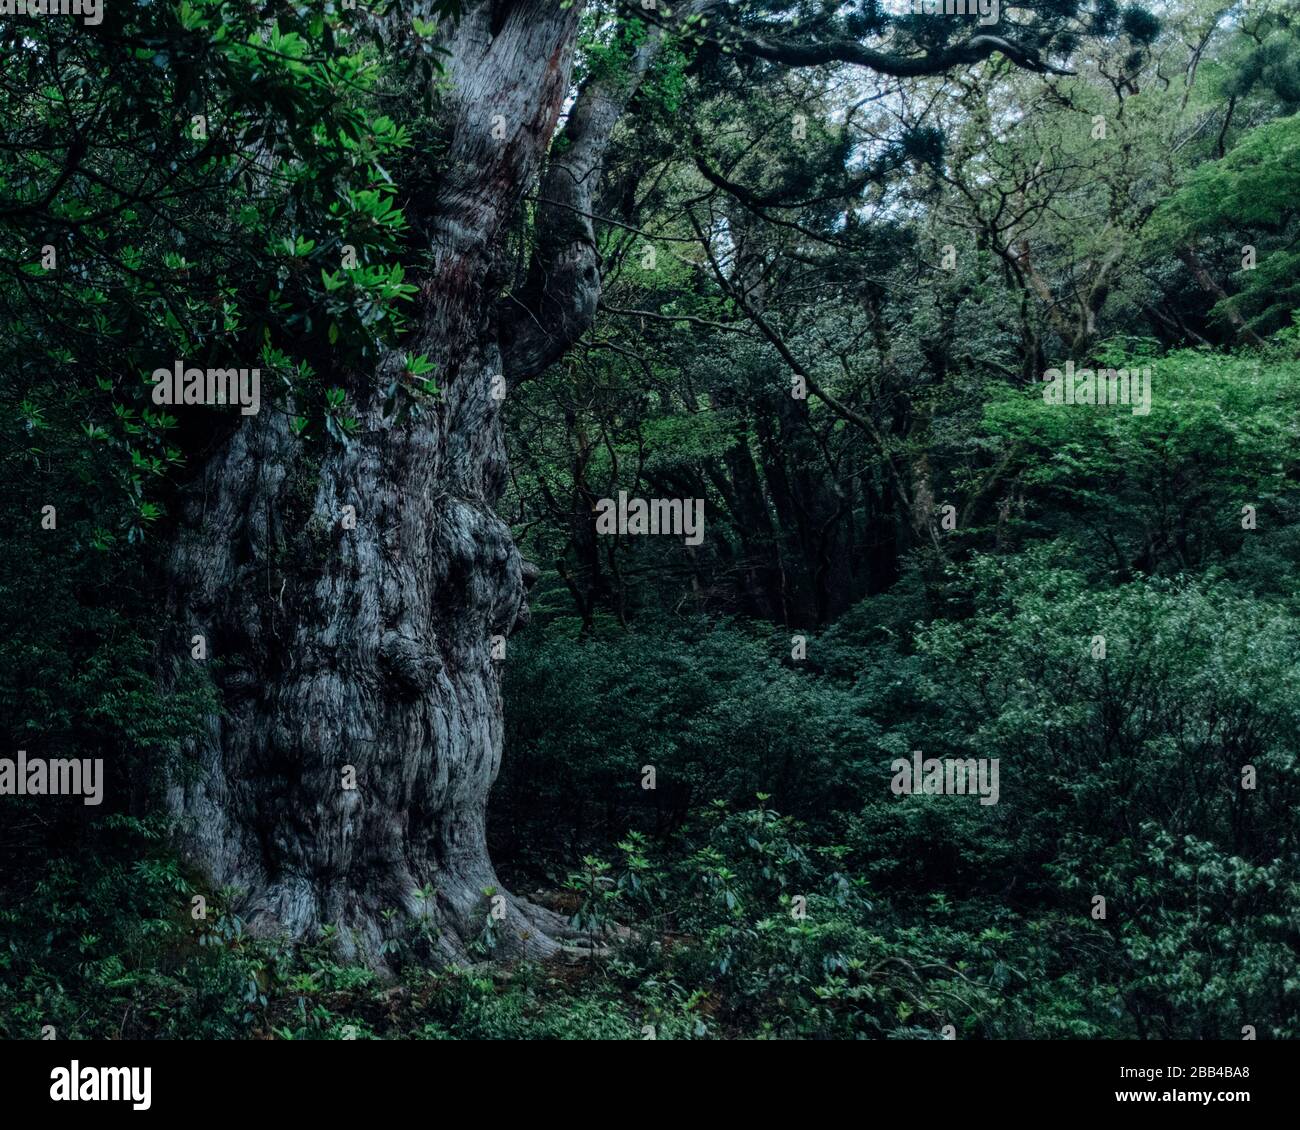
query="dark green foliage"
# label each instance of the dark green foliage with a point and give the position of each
(1119, 776)
(712, 707)
(1112, 616)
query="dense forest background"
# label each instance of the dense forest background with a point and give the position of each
(831, 283)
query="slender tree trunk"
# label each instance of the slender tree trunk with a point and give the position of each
(1187, 253)
(367, 650)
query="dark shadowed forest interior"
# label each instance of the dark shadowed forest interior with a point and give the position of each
(625, 519)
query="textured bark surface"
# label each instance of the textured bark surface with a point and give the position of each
(562, 291)
(372, 647)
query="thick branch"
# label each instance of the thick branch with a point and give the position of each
(973, 50)
(562, 289)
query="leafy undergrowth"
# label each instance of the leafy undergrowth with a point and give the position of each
(740, 931)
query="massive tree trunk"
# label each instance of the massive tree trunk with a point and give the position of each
(371, 647)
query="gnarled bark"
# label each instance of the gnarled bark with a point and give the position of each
(371, 647)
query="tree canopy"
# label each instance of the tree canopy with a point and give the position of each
(808, 263)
